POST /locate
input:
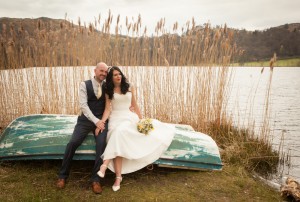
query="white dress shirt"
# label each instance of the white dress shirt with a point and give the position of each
(83, 100)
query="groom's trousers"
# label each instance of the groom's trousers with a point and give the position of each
(80, 132)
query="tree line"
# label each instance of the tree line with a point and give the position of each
(261, 45)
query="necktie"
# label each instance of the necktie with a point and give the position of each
(99, 91)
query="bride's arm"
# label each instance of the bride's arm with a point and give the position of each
(134, 103)
(105, 115)
(107, 109)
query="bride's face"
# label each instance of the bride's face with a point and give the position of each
(117, 77)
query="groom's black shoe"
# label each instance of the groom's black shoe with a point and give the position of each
(96, 187)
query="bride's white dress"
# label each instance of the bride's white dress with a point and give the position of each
(123, 139)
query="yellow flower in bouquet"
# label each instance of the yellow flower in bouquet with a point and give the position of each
(145, 126)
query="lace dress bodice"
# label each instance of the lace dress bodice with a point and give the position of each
(121, 102)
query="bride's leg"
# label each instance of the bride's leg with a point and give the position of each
(118, 169)
(103, 168)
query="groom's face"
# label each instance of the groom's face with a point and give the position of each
(101, 73)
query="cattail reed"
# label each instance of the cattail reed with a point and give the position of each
(64, 44)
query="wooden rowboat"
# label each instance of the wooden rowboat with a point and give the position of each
(45, 136)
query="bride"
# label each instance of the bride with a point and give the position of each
(127, 149)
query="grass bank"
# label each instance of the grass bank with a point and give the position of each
(292, 62)
(35, 181)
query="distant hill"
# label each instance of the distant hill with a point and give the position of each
(30, 25)
(293, 27)
(283, 40)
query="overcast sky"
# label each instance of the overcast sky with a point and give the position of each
(241, 14)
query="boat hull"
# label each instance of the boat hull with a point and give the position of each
(45, 136)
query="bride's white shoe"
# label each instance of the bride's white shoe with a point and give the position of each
(100, 173)
(116, 188)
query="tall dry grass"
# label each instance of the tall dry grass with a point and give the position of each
(199, 93)
(189, 95)
(52, 43)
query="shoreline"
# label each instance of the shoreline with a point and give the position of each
(289, 62)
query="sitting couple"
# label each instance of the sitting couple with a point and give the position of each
(119, 145)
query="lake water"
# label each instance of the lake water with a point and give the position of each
(247, 100)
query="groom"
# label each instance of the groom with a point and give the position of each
(92, 105)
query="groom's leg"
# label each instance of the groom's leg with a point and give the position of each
(100, 147)
(79, 134)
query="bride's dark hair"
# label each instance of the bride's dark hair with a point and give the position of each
(110, 84)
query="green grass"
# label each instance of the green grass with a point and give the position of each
(293, 62)
(35, 181)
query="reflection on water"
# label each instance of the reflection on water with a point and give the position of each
(247, 101)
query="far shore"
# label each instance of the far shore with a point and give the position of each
(291, 62)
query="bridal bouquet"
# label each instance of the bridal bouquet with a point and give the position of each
(145, 126)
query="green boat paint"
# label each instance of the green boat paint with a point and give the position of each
(45, 136)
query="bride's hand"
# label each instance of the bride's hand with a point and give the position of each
(131, 108)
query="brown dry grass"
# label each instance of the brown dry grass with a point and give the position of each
(61, 43)
(165, 93)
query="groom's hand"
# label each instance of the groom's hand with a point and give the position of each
(100, 124)
(100, 127)
(97, 131)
